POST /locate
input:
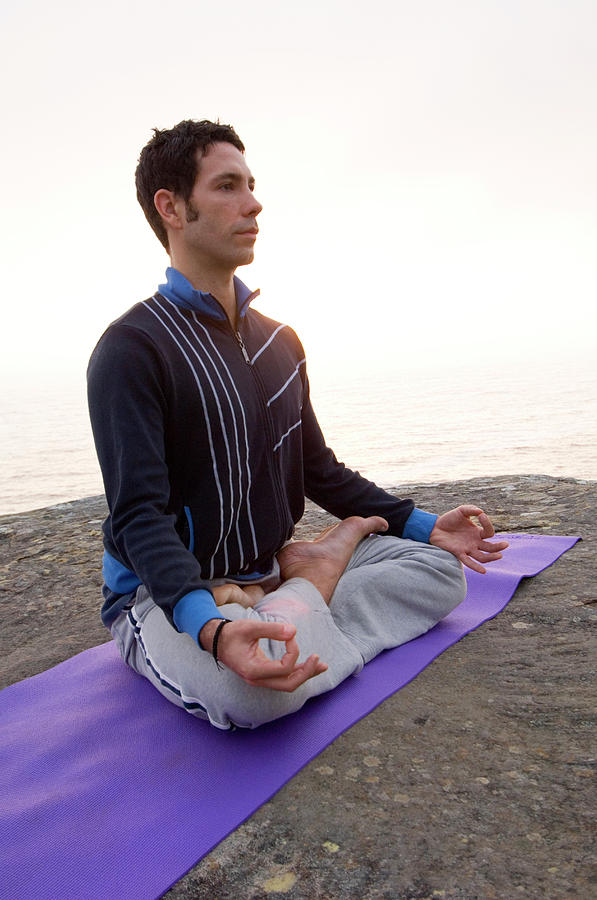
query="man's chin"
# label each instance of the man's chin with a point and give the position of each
(246, 259)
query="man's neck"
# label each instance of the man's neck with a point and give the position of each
(220, 284)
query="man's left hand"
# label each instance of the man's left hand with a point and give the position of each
(454, 531)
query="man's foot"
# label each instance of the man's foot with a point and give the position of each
(233, 593)
(324, 560)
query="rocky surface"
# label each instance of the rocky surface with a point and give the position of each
(477, 780)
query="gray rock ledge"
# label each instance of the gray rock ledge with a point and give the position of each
(477, 780)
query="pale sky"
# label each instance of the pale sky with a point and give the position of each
(427, 169)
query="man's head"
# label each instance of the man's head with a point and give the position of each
(171, 161)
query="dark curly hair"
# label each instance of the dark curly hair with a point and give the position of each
(170, 161)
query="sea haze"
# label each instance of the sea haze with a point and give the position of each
(397, 428)
(538, 418)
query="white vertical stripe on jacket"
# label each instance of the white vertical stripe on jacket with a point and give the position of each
(208, 426)
(223, 430)
(245, 495)
(234, 507)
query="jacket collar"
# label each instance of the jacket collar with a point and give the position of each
(180, 291)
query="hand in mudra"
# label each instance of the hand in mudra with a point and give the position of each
(456, 532)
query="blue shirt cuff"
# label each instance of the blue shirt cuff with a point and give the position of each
(419, 525)
(193, 611)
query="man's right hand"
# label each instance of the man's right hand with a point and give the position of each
(239, 650)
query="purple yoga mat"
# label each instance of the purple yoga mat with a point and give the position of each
(108, 791)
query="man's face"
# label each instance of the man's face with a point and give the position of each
(221, 213)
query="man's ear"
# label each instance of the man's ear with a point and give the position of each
(169, 205)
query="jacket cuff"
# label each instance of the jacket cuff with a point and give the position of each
(193, 611)
(419, 525)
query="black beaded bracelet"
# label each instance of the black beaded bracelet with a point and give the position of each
(214, 646)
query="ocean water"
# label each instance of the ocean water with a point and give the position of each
(497, 420)
(396, 428)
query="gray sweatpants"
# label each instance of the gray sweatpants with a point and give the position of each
(391, 591)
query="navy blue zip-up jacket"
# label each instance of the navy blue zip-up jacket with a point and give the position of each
(208, 445)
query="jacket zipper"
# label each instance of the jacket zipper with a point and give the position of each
(241, 344)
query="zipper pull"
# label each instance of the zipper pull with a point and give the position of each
(241, 344)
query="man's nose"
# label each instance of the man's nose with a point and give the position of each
(254, 207)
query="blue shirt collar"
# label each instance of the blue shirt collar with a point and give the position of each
(180, 291)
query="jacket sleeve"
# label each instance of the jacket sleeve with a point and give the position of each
(333, 486)
(127, 391)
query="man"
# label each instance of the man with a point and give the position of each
(208, 444)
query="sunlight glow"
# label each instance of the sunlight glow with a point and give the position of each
(427, 171)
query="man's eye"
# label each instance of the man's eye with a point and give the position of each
(226, 187)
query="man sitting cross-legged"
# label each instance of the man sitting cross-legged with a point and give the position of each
(208, 445)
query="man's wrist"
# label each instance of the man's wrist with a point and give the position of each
(193, 611)
(419, 525)
(206, 635)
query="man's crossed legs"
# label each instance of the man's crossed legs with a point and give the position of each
(350, 594)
